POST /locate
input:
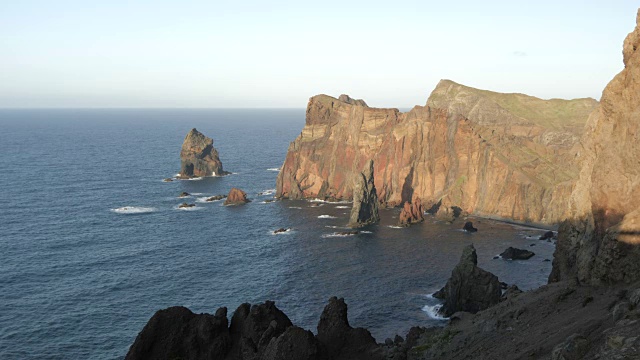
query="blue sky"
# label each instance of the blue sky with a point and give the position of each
(278, 54)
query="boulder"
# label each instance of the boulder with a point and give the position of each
(236, 197)
(411, 213)
(516, 254)
(547, 235)
(468, 227)
(198, 157)
(470, 288)
(339, 340)
(573, 348)
(365, 199)
(177, 333)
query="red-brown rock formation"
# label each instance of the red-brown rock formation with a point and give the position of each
(601, 242)
(198, 157)
(236, 197)
(502, 155)
(411, 213)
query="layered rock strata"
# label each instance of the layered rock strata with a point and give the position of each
(600, 243)
(501, 155)
(365, 199)
(198, 157)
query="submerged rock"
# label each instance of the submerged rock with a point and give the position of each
(365, 199)
(198, 157)
(470, 288)
(184, 194)
(185, 205)
(468, 227)
(516, 254)
(168, 180)
(236, 197)
(411, 213)
(215, 198)
(281, 230)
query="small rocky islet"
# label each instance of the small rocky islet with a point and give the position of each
(590, 309)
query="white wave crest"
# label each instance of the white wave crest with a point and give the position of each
(335, 234)
(295, 207)
(326, 217)
(267, 192)
(342, 207)
(273, 169)
(192, 208)
(395, 227)
(433, 311)
(134, 210)
(330, 202)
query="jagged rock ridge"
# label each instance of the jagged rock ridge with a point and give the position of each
(501, 155)
(198, 157)
(365, 199)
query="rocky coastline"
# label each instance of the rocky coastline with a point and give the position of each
(589, 310)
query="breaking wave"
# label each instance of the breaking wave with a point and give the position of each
(134, 210)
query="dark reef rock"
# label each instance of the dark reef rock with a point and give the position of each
(184, 194)
(236, 197)
(215, 198)
(294, 344)
(167, 180)
(281, 230)
(548, 235)
(411, 213)
(177, 333)
(365, 199)
(198, 157)
(185, 206)
(468, 227)
(516, 254)
(470, 288)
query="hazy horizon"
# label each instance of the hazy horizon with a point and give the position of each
(208, 55)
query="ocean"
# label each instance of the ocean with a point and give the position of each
(93, 242)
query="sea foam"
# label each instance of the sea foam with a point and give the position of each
(326, 217)
(133, 210)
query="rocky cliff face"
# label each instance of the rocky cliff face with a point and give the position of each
(600, 243)
(198, 157)
(502, 155)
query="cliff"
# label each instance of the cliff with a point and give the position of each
(198, 157)
(492, 154)
(600, 243)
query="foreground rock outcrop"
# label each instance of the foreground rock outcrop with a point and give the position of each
(501, 155)
(198, 157)
(256, 332)
(470, 288)
(365, 199)
(600, 243)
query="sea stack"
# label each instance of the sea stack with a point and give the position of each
(411, 213)
(198, 157)
(470, 288)
(365, 199)
(236, 197)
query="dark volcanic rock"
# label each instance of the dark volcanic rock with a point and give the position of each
(517, 254)
(468, 227)
(294, 344)
(185, 205)
(547, 235)
(281, 230)
(215, 198)
(177, 333)
(339, 340)
(184, 194)
(236, 197)
(253, 327)
(411, 213)
(198, 157)
(168, 180)
(365, 199)
(470, 288)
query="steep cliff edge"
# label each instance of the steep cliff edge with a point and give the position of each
(600, 243)
(492, 154)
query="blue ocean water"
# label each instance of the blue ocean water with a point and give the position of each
(79, 279)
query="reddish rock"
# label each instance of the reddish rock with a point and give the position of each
(411, 213)
(236, 197)
(198, 157)
(504, 155)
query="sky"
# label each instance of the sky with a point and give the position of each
(277, 54)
